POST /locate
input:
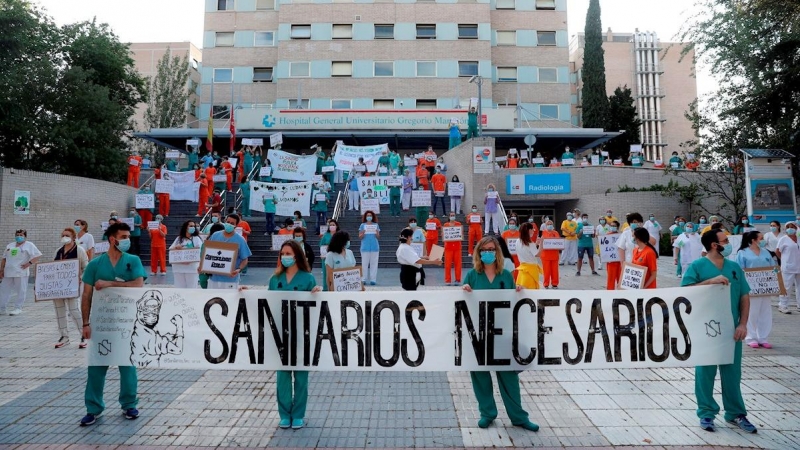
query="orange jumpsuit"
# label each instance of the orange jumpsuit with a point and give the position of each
(163, 199)
(134, 170)
(158, 249)
(550, 260)
(439, 182)
(512, 162)
(612, 274)
(240, 165)
(432, 236)
(512, 234)
(475, 233)
(228, 174)
(202, 198)
(246, 230)
(422, 177)
(452, 254)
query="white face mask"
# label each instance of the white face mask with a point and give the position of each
(66, 240)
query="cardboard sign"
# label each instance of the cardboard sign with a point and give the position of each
(153, 225)
(320, 197)
(419, 248)
(437, 253)
(370, 229)
(553, 244)
(512, 245)
(323, 252)
(279, 239)
(371, 204)
(455, 189)
(347, 280)
(633, 276)
(475, 219)
(452, 234)
(145, 201)
(253, 142)
(568, 161)
(220, 178)
(219, 258)
(184, 255)
(57, 279)
(275, 139)
(263, 172)
(164, 186)
(765, 281)
(420, 198)
(101, 247)
(172, 154)
(608, 248)
(538, 161)
(328, 169)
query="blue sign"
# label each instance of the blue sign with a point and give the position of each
(554, 183)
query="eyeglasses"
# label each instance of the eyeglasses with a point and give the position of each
(493, 249)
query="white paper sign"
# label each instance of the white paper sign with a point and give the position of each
(455, 189)
(420, 198)
(538, 161)
(323, 251)
(185, 255)
(164, 186)
(279, 239)
(290, 197)
(145, 201)
(370, 204)
(474, 218)
(553, 244)
(636, 148)
(492, 194)
(568, 161)
(595, 160)
(452, 234)
(233, 162)
(327, 169)
(275, 139)
(320, 198)
(134, 162)
(347, 156)
(347, 280)
(394, 181)
(632, 277)
(588, 230)
(419, 248)
(193, 142)
(254, 142)
(219, 258)
(316, 179)
(512, 245)
(127, 221)
(172, 154)
(675, 165)
(265, 171)
(290, 166)
(370, 228)
(221, 178)
(153, 225)
(101, 247)
(57, 279)
(430, 226)
(608, 248)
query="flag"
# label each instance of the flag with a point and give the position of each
(210, 140)
(233, 131)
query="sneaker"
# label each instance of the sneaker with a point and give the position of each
(89, 419)
(753, 344)
(781, 309)
(595, 273)
(82, 344)
(708, 425)
(555, 287)
(577, 274)
(62, 342)
(744, 424)
(15, 312)
(484, 422)
(528, 425)
(284, 423)
(298, 423)
(765, 345)
(372, 283)
(131, 413)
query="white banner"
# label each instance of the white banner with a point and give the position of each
(456, 331)
(184, 185)
(291, 197)
(288, 166)
(347, 156)
(374, 187)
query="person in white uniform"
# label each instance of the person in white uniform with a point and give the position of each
(688, 247)
(15, 268)
(185, 273)
(788, 251)
(753, 255)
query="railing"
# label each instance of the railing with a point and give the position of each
(649, 68)
(207, 217)
(503, 211)
(652, 92)
(152, 177)
(338, 207)
(238, 198)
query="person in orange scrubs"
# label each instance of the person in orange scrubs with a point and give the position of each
(134, 170)
(513, 160)
(158, 247)
(432, 227)
(163, 199)
(439, 183)
(644, 254)
(202, 203)
(422, 177)
(613, 269)
(240, 165)
(452, 253)
(475, 235)
(228, 168)
(512, 233)
(549, 257)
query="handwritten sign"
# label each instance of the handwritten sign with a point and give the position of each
(409, 162)
(172, 154)
(127, 221)
(327, 169)
(347, 280)
(323, 251)
(538, 161)
(474, 218)
(57, 279)
(101, 247)
(219, 258)
(632, 277)
(371, 229)
(765, 281)
(430, 226)
(420, 198)
(394, 181)
(553, 244)
(359, 168)
(512, 245)
(569, 161)
(145, 201)
(275, 139)
(153, 225)
(279, 239)
(608, 248)
(455, 189)
(165, 186)
(134, 162)
(588, 230)
(595, 160)
(233, 162)
(220, 178)
(253, 142)
(185, 255)
(264, 172)
(297, 224)
(320, 197)
(452, 234)
(193, 142)
(371, 204)
(419, 248)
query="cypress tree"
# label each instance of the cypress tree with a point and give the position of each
(594, 100)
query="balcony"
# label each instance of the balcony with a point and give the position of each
(654, 140)
(649, 68)
(651, 92)
(655, 117)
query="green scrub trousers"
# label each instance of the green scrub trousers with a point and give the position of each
(292, 405)
(731, 377)
(96, 381)
(394, 204)
(509, 392)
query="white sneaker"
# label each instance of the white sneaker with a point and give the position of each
(15, 312)
(784, 310)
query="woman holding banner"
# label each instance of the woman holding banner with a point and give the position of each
(644, 254)
(339, 256)
(292, 274)
(69, 250)
(753, 254)
(369, 232)
(488, 273)
(185, 273)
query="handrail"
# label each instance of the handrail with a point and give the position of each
(204, 220)
(238, 198)
(148, 180)
(502, 210)
(337, 209)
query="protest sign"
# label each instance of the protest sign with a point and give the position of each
(233, 162)
(265, 171)
(279, 239)
(290, 197)
(219, 178)
(595, 160)
(101, 247)
(370, 228)
(436, 253)
(474, 218)
(254, 142)
(193, 142)
(636, 148)
(394, 181)
(297, 224)
(57, 279)
(375, 187)
(184, 255)
(370, 204)
(172, 154)
(290, 166)
(512, 245)
(347, 156)
(127, 221)
(765, 281)
(409, 162)
(419, 248)
(455, 189)
(452, 234)
(275, 139)
(420, 198)
(164, 186)
(316, 179)
(588, 230)
(553, 244)
(568, 161)
(145, 201)
(323, 252)
(538, 161)
(402, 331)
(608, 248)
(430, 226)
(185, 187)
(320, 197)
(328, 169)
(104, 225)
(347, 280)
(219, 258)
(153, 225)
(633, 276)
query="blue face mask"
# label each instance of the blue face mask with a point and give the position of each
(703, 221)
(773, 229)
(762, 243)
(613, 229)
(681, 223)
(287, 261)
(214, 219)
(124, 245)
(634, 226)
(347, 245)
(488, 257)
(192, 230)
(19, 239)
(369, 218)
(727, 249)
(298, 239)
(229, 228)
(550, 227)
(512, 227)
(77, 228)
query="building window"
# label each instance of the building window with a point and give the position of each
(341, 104)
(506, 38)
(384, 31)
(224, 5)
(548, 75)
(301, 32)
(384, 68)
(506, 4)
(426, 104)
(342, 31)
(264, 39)
(342, 69)
(506, 74)
(223, 39)
(548, 112)
(299, 69)
(426, 31)
(262, 75)
(546, 5)
(426, 68)
(223, 75)
(295, 103)
(467, 31)
(386, 103)
(467, 68)
(546, 38)
(265, 5)
(221, 112)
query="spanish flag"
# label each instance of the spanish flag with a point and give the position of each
(210, 140)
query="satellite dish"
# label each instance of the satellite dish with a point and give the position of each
(530, 139)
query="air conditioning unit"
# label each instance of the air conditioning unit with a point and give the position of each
(358, 18)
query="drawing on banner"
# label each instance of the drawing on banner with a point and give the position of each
(632, 276)
(219, 258)
(375, 187)
(482, 160)
(58, 279)
(452, 234)
(608, 248)
(455, 189)
(347, 280)
(553, 244)
(145, 201)
(765, 281)
(22, 202)
(148, 343)
(279, 239)
(420, 198)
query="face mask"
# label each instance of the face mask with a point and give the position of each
(608, 213)
(512, 227)
(652, 219)
(762, 243)
(614, 229)
(369, 218)
(77, 228)
(347, 245)
(726, 250)
(192, 230)
(287, 261)
(298, 239)
(681, 223)
(474, 209)
(452, 218)
(791, 231)
(773, 229)
(530, 219)
(491, 189)
(585, 221)
(214, 219)
(745, 221)
(634, 226)
(412, 225)
(602, 221)
(332, 228)
(115, 217)
(690, 230)
(550, 228)
(133, 213)
(19, 239)
(66, 240)
(430, 216)
(703, 221)
(488, 257)
(229, 228)
(123, 245)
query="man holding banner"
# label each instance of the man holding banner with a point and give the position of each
(715, 268)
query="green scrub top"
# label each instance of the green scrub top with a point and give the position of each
(703, 269)
(128, 268)
(136, 231)
(503, 280)
(302, 281)
(325, 239)
(584, 240)
(269, 205)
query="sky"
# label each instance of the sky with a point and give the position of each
(182, 20)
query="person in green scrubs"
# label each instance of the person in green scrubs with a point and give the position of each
(116, 268)
(325, 240)
(715, 268)
(488, 273)
(292, 274)
(193, 158)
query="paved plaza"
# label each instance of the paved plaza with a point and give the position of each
(41, 398)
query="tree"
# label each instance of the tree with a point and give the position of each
(622, 116)
(594, 100)
(167, 95)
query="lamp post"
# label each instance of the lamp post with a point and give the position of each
(477, 79)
